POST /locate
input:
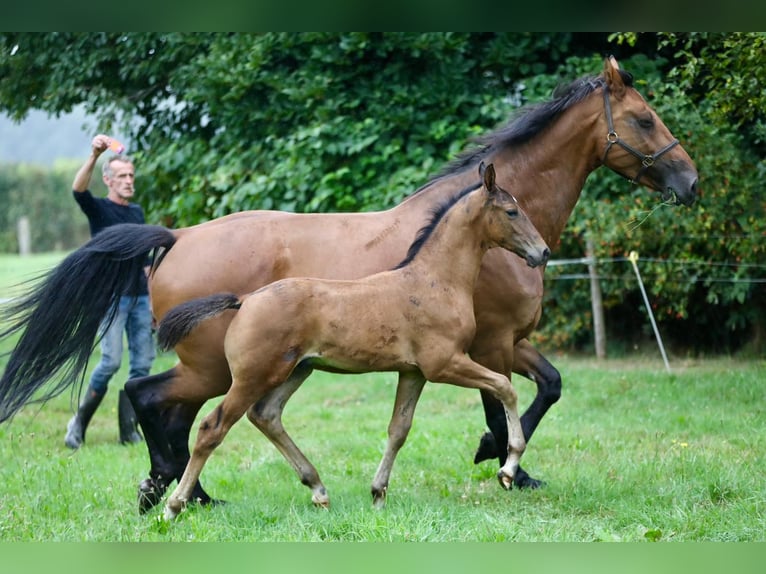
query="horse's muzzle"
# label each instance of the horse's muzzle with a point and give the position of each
(537, 259)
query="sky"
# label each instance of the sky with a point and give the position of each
(41, 139)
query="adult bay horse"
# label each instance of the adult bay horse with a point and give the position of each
(416, 319)
(543, 155)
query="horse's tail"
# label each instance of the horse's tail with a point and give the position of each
(182, 319)
(59, 318)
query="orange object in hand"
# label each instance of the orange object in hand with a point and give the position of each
(116, 146)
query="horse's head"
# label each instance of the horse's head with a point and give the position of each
(509, 227)
(639, 146)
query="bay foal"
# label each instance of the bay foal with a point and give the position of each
(416, 319)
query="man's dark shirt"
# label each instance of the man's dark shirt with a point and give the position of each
(103, 212)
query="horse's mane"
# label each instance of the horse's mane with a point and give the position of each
(437, 213)
(526, 123)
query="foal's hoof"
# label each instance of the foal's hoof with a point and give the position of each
(150, 493)
(320, 498)
(379, 498)
(173, 508)
(505, 481)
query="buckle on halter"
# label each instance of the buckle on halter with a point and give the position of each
(648, 161)
(612, 137)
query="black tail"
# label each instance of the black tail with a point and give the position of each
(59, 319)
(182, 319)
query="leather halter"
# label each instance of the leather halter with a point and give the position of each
(612, 138)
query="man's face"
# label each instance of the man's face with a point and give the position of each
(120, 183)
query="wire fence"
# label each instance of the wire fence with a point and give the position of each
(679, 262)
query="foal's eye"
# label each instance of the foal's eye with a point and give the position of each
(512, 213)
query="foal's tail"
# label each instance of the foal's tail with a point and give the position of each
(60, 317)
(182, 319)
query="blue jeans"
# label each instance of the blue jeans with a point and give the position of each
(135, 318)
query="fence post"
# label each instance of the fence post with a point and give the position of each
(633, 258)
(24, 235)
(596, 301)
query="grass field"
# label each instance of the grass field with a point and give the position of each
(630, 453)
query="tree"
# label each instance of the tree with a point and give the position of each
(356, 121)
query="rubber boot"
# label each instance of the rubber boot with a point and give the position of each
(127, 420)
(75, 429)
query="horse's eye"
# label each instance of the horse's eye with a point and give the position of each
(512, 213)
(646, 123)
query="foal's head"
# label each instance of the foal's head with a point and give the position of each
(507, 224)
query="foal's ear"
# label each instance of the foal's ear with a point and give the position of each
(488, 174)
(613, 78)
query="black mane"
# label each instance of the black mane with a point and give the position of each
(436, 215)
(527, 122)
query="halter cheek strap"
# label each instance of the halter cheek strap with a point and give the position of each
(612, 138)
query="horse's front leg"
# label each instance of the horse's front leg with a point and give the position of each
(528, 362)
(266, 415)
(212, 430)
(464, 372)
(408, 392)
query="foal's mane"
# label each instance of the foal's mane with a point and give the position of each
(437, 213)
(526, 123)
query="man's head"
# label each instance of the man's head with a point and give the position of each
(119, 176)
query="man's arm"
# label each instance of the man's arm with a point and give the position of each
(82, 177)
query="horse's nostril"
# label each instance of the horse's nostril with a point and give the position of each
(546, 253)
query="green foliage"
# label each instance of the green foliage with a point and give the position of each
(704, 267)
(44, 196)
(356, 121)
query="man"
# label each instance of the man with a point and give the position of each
(134, 314)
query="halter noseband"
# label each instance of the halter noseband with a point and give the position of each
(612, 138)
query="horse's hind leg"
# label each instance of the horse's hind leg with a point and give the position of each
(178, 422)
(266, 415)
(142, 393)
(407, 395)
(212, 431)
(166, 406)
(528, 362)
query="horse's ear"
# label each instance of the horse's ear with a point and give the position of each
(482, 168)
(613, 78)
(489, 176)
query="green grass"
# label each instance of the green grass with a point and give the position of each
(15, 270)
(630, 453)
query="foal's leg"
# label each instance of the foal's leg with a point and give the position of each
(166, 406)
(464, 372)
(142, 393)
(266, 415)
(212, 431)
(178, 422)
(528, 362)
(407, 395)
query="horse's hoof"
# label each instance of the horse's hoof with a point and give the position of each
(523, 480)
(173, 508)
(320, 498)
(170, 514)
(379, 498)
(487, 448)
(505, 481)
(150, 493)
